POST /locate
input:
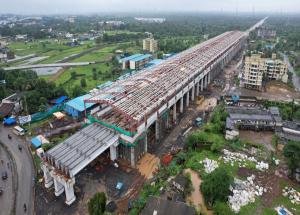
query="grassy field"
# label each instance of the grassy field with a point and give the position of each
(85, 72)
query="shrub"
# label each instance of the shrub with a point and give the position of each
(216, 186)
(96, 205)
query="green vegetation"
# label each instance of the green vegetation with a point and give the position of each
(36, 91)
(97, 204)
(288, 111)
(215, 186)
(292, 153)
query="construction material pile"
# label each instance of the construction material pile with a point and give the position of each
(292, 194)
(262, 166)
(241, 159)
(209, 165)
(244, 192)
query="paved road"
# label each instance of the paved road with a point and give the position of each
(24, 168)
(296, 79)
(7, 198)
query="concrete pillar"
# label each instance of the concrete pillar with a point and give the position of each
(167, 120)
(202, 84)
(197, 89)
(146, 142)
(187, 98)
(47, 176)
(205, 81)
(132, 159)
(69, 191)
(174, 112)
(157, 130)
(113, 152)
(58, 187)
(208, 78)
(181, 105)
(193, 93)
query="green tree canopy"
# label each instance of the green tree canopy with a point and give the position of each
(216, 186)
(292, 153)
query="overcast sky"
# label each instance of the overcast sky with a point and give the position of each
(97, 6)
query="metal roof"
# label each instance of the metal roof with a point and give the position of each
(78, 103)
(130, 57)
(142, 57)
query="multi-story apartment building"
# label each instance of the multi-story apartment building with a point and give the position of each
(257, 69)
(150, 45)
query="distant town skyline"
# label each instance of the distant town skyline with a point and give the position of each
(138, 6)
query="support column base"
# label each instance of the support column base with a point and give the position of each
(48, 184)
(70, 201)
(59, 192)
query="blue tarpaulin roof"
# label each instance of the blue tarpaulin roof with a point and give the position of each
(35, 141)
(61, 100)
(78, 103)
(9, 121)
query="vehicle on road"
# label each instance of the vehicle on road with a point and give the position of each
(9, 137)
(4, 175)
(25, 208)
(1, 191)
(19, 131)
(20, 147)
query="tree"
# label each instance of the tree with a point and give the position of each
(96, 205)
(73, 75)
(83, 82)
(95, 75)
(292, 153)
(216, 186)
(76, 91)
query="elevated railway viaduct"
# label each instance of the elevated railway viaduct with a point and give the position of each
(133, 114)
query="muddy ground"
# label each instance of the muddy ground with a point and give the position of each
(88, 182)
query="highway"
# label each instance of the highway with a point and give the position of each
(47, 65)
(23, 169)
(7, 198)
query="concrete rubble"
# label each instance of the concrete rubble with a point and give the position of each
(262, 166)
(292, 194)
(209, 165)
(241, 159)
(244, 192)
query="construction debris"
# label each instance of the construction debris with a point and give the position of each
(244, 192)
(209, 165)
(262, 166)
(241, 159)
(292, 194)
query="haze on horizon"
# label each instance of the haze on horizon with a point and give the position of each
(138, 6)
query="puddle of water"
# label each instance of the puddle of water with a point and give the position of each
(196, 196)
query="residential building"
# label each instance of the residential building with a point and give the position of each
(150, 45)
(258, 69)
